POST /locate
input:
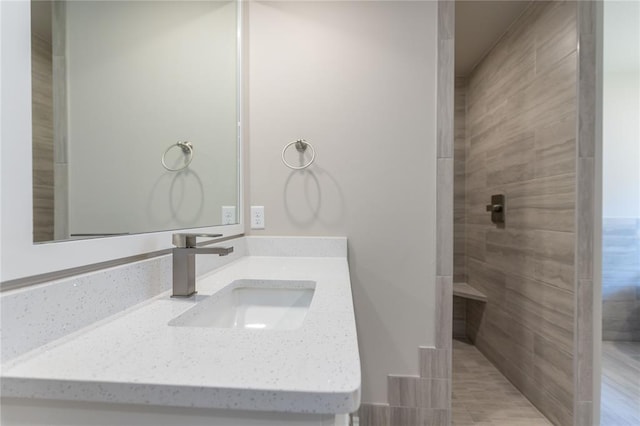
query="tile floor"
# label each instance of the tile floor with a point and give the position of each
(620, 384)
(482, 396)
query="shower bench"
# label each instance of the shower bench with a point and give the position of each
(468, 307)
(466, 291)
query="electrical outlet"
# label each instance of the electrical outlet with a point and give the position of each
(229, 215)
(257, 217)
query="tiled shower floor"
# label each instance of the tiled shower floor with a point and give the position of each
(482, 396)
(620, 384)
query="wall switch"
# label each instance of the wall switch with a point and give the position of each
(229, 215)
(257, 217)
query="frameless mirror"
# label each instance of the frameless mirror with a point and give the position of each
(135, 116)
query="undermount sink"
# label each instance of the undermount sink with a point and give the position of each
(252, 304)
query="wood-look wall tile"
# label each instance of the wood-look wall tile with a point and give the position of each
(515, 73)
(444, 232)
(555, 147)
(513, 160)
(446, 19)
(584, 409)
(434, 393)
(532, 304)
(546, 203)
(414, 391)
(444, 311)
(459, 317)
(407, 416)
(60, 130)
(476, 207)
(556, 35)
(445, 105)
(435, 363)
(587, 100)
(585, 217)
(476, 174)
(42, 144)
(553, 370)
(434, 417)
(459, 185)
(584, 350)
(481, 123)
(551, 95)
(59, 25)
(545, 256)
(61, 201)
(402, 390)
(475, 246)
(487, 279)
(374, 415)
(404, 416)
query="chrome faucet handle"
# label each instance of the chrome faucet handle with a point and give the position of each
(184, 240)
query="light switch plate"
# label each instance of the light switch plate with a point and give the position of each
(257, 217)
(229, 215)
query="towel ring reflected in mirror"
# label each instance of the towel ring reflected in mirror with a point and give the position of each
(187, 149)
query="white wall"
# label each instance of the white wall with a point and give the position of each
(358, 81)
(142, 76)
(621, 109)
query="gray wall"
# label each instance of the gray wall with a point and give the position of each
(521, 132)
(358, 81)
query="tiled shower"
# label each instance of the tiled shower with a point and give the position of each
(516, 126)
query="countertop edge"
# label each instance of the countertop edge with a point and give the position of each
(341, 402)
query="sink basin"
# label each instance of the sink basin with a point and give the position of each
(252, 304)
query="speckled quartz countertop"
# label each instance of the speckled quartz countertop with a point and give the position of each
(136, 357)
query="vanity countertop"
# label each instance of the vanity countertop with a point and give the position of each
(136, 357)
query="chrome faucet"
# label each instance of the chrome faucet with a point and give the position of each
(184, 261)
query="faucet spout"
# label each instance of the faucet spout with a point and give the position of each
(184, 265)
(220, 251)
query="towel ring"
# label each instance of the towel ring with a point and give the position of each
(301, 146)
(186, 147)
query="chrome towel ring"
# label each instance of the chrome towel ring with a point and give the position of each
(187, 148)
(301, 146)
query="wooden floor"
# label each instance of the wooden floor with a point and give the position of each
(620, 384)
(484, 397)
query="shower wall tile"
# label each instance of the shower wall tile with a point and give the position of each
(459, 317)
(556, 35)
(446, 53)
(555, 148)
(584, 342)
(621, 279)
(444, 217)
(521, 136)
(459, 170)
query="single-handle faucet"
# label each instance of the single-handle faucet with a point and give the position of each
(184, 261)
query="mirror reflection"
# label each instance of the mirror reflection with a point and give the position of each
(135, 116)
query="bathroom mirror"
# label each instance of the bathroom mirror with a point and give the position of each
(118, 89)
